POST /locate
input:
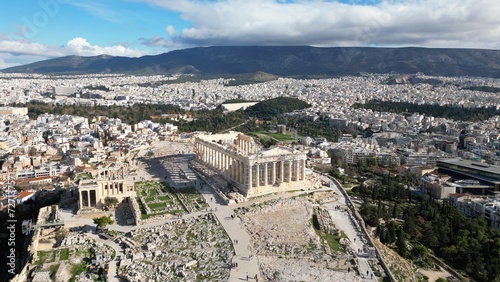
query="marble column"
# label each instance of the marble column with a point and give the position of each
(273, 174)
(217, 159)
(303, 170)
(88, 199)
(205, 154)
(289, 179)
(265, 174)
(282, 171)
(81, 199)
(212, 155)
(227, 167)
(221, 162)
(297, 170)
(257, 175)
(250, 176)
(224, 162)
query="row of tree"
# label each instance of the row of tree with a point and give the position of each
(448, 111)
(205, 120)
(413, 227)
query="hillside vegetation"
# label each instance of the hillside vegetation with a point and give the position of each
(275, 107)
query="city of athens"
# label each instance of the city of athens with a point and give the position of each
(261, 141)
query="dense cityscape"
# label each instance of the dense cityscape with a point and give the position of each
(149, 176)
(261, 141)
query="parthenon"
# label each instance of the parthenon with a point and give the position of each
(248, 167)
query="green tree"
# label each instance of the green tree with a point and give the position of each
(110, 201)
(103, 221)
(401, 243)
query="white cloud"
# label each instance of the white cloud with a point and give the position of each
(431, 23)
(16, 52)
(23, 47)
(80, 46)
(3, 64)
(75, 46)
(171, 31)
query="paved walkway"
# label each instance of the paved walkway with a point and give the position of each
(343, 221)
(113, 265)
(247, 265)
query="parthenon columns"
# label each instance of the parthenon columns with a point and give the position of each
(297, 170)
(257, 175)
(265, 174)
(240, 164)
(282, 171)
(289, 171)
(273, 174)
(249, 169)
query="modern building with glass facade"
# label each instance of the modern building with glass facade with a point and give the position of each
(487, 177)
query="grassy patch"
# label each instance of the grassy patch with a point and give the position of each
(42, 256)
(53, 270)
(85, 175)
(156, 205)
(141, 207)
(77, 269)
(333, 241)
(266, 136)
(281, 137)
(64, 255)
(149, 199)
(162, 198)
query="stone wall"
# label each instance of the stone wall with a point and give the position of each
(325, 221)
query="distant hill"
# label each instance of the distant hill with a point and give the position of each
(301, 61)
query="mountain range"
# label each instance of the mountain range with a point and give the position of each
(282, 61)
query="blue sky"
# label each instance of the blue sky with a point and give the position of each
(33, 30)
